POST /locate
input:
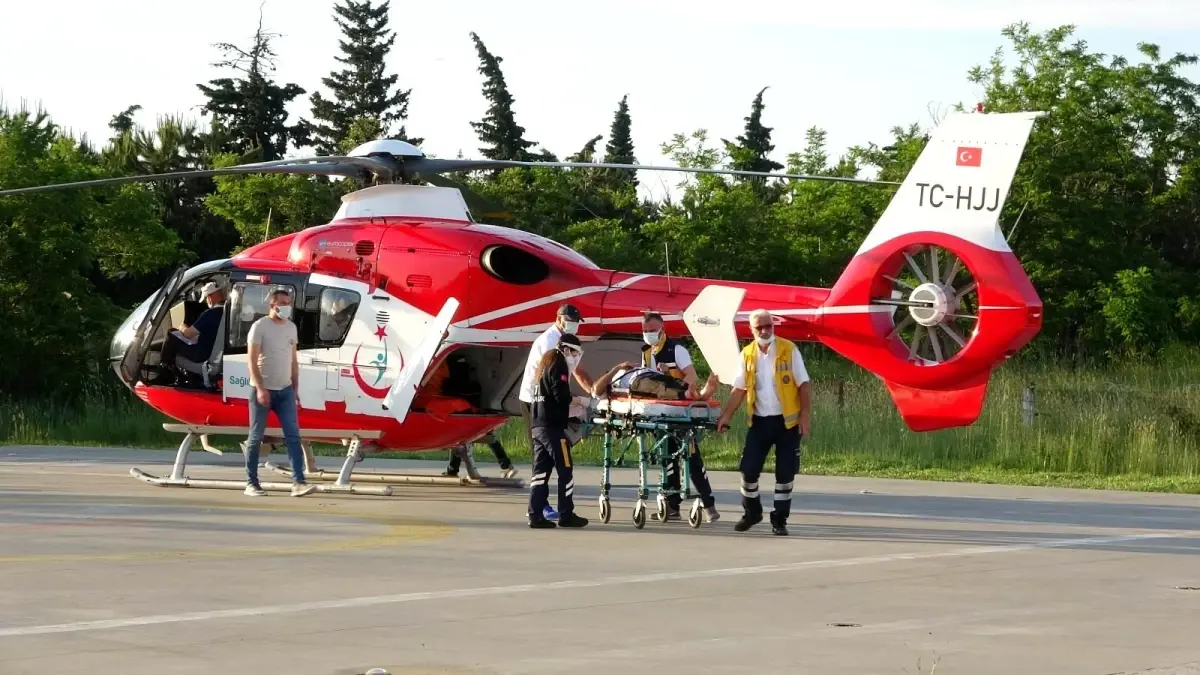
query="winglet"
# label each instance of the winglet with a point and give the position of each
(710, 320)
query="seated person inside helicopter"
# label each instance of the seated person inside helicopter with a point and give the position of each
(632, 380)
(189, 347)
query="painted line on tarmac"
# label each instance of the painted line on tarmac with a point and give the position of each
(399, 531)
(347, 603)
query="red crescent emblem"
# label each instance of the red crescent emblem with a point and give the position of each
(373, 392)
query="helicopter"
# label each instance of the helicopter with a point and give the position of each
(404, 283)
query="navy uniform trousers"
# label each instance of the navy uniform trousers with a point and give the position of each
(551, 451)
(765, 432)
(699, 476)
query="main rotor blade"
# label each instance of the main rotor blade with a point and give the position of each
(431, 165)
(330, 166)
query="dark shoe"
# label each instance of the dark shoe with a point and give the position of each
(778, 526)
(746, 522)
(542, 524)
(572, 520)
(672, 513)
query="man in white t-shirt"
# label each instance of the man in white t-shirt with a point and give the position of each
(566, 322)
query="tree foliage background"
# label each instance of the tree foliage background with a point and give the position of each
(1107, 194)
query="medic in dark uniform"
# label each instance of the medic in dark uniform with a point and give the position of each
(549, 417)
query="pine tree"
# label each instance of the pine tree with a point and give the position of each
(619, 149)
(361, 91)
(751, 150)
(504, 138)
(253, 107)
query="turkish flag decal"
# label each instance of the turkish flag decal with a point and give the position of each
(969, 156)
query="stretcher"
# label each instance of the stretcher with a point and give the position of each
(664, 432)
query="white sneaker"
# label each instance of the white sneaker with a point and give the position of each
(301, 489)
(252, 491)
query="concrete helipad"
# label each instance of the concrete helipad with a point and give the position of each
(100, 573)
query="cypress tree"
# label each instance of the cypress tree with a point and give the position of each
(362, 93)
(619, 149)
(751, 150)
(503, 137)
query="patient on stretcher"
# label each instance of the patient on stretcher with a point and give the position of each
(629, 379)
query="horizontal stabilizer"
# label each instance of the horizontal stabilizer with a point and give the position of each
(710, 320)
(933, 409)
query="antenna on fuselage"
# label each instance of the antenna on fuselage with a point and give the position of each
(667, 249)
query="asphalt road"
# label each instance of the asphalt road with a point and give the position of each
(102, 573)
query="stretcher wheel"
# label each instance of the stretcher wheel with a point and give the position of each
(605, 509)
(639, 514)
(694, 516)
(662, 508)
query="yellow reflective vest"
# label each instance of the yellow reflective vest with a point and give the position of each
(785, 385)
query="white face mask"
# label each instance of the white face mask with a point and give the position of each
(765, 343)
(650, 338)
(573, 361)
(284, 312)
(570, 327)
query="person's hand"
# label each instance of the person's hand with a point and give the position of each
(805, 427)
(262, 395)
(297, 395)
(722, 425)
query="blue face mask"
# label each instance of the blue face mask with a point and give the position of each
(284, 312)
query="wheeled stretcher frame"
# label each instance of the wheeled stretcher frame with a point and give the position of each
(665, 432)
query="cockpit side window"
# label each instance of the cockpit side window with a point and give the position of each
(336, 311)
(249, 302)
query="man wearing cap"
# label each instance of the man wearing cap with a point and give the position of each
(566, 323)
(195, 343)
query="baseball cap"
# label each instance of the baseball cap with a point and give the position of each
(571, 312)
(209, 289)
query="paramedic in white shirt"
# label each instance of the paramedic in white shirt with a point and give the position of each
(779, 402)
(566, 322)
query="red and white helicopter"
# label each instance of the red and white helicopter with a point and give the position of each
(403, 278)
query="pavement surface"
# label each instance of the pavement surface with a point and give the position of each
(101, 573)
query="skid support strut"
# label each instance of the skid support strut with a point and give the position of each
(179, 478)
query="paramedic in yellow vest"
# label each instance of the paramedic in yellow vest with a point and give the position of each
(670, 357)
(775, 384)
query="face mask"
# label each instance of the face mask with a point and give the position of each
(765, 343)
(573, 361)
(650, 338)
(570, 327)
(284, 312)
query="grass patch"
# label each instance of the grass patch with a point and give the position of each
(1134, 426)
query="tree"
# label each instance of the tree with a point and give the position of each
(53, 248)
(619, 149)
(504, 138)
(253, 106)
(361, 91)
(750, 151)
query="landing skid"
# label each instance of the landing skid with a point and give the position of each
(355, 454)
(178, 478)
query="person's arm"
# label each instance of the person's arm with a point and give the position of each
(599, 388)
(583, 378)
(252, 354)
(296, 367)
(735, 398)
(800, 375)
(556, 384)
(684, 361)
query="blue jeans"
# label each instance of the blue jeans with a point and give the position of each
(283, 403)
